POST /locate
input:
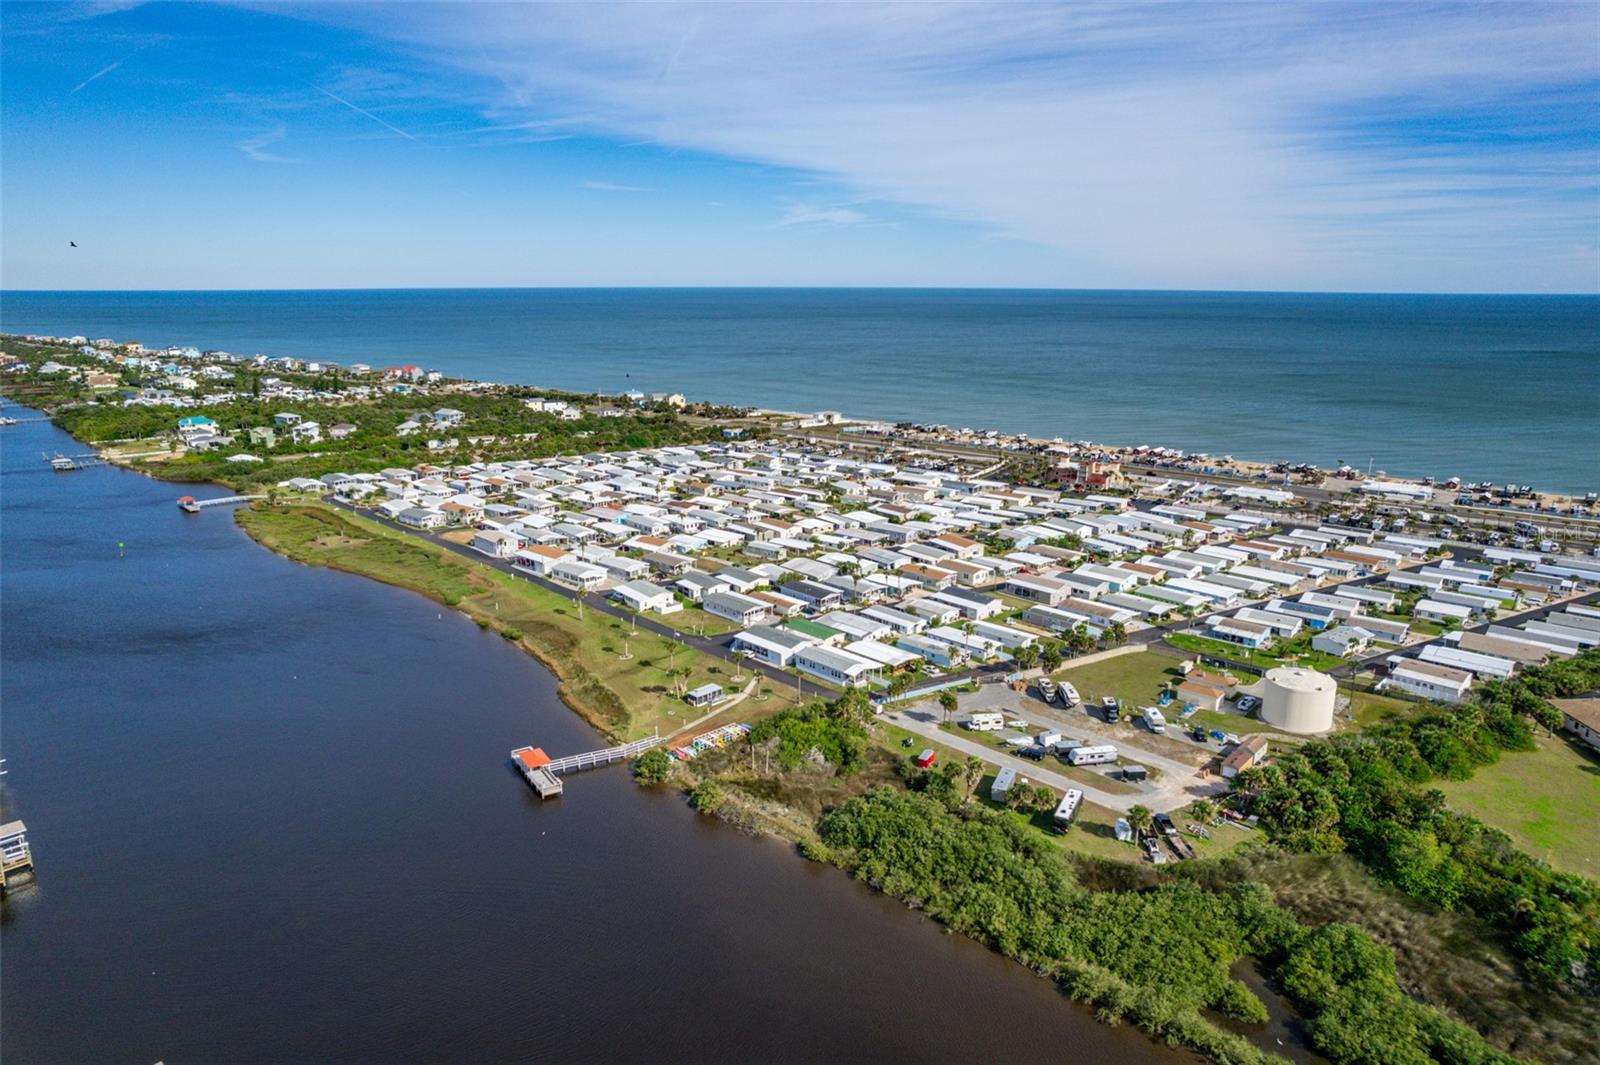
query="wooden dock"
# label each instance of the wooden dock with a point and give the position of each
(67, 463)
(543, 773)
(16, 857)
(191, 505)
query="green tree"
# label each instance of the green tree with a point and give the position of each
(974, 773)
(707, 796)
(1140, 818)
(1050, 656)
(948, 703)
(1026, 656)
(653, 766)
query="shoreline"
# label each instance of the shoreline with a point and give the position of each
(1084, 981)
(464, 592)
(1253, 469)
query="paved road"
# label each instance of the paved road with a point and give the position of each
(1071, 724)
(1171, 791)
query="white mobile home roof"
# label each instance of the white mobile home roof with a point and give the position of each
(1481, 664)
(882, 653)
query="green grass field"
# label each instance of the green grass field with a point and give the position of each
(628, 696)
(1297, 651)
(1547, 801)
(1137, 680)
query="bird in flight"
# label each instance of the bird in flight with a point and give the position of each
(73, 243)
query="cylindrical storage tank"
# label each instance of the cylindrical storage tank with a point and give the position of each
(1298, 700)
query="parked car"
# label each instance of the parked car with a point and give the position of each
(1248, 704)
(1033, 754)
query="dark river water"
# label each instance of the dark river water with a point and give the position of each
(274, 822)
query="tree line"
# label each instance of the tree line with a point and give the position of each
(1369, 795)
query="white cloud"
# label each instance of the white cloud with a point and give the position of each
(1240, 145)
(610, 186)
(802, 214)
(256, 147)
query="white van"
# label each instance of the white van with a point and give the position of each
(986, 722)
(1096, 755)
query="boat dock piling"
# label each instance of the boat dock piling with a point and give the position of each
(16, 857)
(543, 773)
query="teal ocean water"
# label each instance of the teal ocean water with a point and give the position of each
(1505, 388)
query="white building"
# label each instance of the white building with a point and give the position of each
(1428, 680)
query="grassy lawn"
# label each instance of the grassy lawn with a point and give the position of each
(1545, 800)
(1136, 678)
(1370, 708)
(627, 697)
(694, 619)
(1298, 650)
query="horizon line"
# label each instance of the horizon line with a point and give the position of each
(804, 288)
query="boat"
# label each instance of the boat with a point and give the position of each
(62, 464)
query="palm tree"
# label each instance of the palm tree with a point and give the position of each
(1117, 634)
(948, 702)
(1050, 656)
(1140, 818)
(974, 767)
(1026, 656)
(1202, 810)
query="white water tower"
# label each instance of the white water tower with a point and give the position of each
(1298, 700)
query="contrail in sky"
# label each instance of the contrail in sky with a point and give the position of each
(357, 110)
(102, 72)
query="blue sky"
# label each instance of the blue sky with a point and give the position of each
(1392, 147)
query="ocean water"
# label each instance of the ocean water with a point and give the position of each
(1505, 388)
